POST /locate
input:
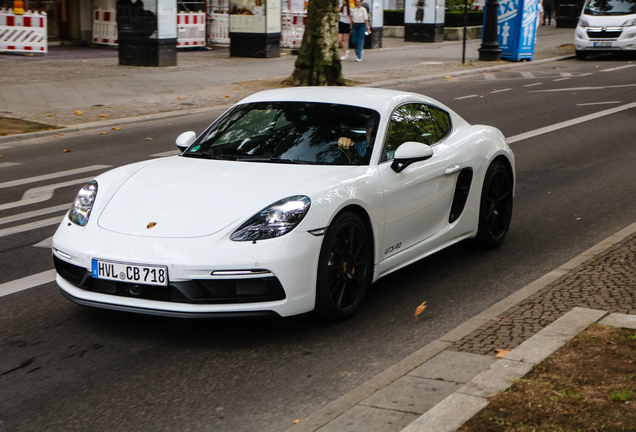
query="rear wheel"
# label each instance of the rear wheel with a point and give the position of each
(344, 268)
(495, 211)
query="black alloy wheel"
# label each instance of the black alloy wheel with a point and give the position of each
(495, 210)
(345, 268)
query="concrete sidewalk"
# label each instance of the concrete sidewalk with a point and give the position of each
(441, 386)
(51, 89)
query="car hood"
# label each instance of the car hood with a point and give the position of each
(185, 197)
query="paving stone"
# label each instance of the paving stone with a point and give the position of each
(449, 414)
(361, 418)
(454, 366)
(412, 394)
(620, 320)
(498, 377)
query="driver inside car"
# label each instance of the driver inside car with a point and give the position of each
(360, 147)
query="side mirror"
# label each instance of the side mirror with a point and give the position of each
(408, 153)
(184, 140)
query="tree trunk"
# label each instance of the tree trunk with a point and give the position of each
(318, 62)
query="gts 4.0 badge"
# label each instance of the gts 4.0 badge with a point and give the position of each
(393, 248)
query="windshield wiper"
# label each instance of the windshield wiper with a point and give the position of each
(204, 156)
(275, 159)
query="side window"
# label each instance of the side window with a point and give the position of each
(442, 122)
(415, 122)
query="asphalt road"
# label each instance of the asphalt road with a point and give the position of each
(68, 368)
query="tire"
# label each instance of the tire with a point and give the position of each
(581, 55)
(345, 268)
(495, 209)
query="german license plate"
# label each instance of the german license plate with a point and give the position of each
(131, 273)
(602, 44)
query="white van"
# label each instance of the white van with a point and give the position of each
(606, 25)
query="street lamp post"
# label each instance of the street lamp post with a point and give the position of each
(490, 50)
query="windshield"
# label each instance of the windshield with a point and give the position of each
(290, 132)
(610, 7)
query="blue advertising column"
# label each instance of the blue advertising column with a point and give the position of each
(517, 27)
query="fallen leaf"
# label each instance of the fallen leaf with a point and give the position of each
(49, 115)
(208, 106)
(61, 133)
(110, 106)
(169, 124)
(102, 115)
(227, 96)
(447, 77)
(178, 97)
(83, 61)
(78, 72)
(0, 156)
(420, 309)
(148, 139)
(103, 133)
(297, 421)
(66, 151)
(115, 128)
(78, 112)
(500, 353)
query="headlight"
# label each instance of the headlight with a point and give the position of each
(629, 23)
(583, 23)
(274, 221)
(83, 204)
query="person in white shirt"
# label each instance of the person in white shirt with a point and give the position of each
(344, 27)
(360, 23)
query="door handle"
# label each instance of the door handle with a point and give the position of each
(452, 169)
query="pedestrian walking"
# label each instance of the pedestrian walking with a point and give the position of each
(361, 28)
(547, 11)
(345, 22)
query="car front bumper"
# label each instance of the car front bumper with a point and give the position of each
(595, 39)
(280, 273)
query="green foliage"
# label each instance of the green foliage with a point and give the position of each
(621, 396)
(394, 17)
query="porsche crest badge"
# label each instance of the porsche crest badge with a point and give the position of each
(151, 225)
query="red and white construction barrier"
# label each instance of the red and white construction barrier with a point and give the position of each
(23, 33)
(292, 28)
(190, 29)
(219, 28)
(105, 27)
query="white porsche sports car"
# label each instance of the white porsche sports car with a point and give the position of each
(293, 201)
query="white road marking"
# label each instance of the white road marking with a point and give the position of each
(527, 74)
(561, 79)
(567, 123)
(502, 90)
(31, 226)
(617, 68)
(565, 74)
(53, 176)
(168, 153)
(582, 88)
(466, 97)
(490, 76)
(599, 103)
(42, 193)
(8, 164)
(34, 213)
(431, 63)
(532, 85)
(27, 282)
(47, 243)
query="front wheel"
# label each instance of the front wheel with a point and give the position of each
(345, 268)
(581, 55)
(495, 210)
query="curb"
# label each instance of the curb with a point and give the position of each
(450, 414)
(447, 412)
(172, 114)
